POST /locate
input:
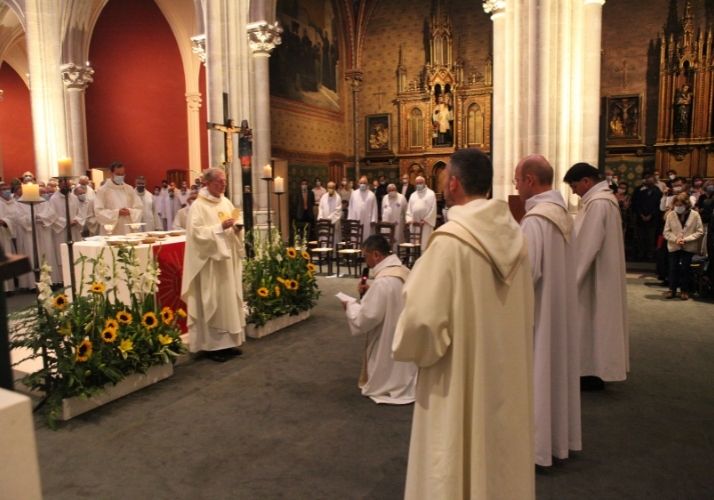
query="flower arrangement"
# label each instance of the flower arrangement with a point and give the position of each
(96, 339)
(278, 280)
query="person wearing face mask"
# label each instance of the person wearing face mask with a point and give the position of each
(172, 205)
(183, 194)
(645, 207)
(677, 187)
(45, 218)
(182, 215)
(59, 227)
(86, 212)
(697, 188)
(406, 189)
(318, 190)
(161, 201)
(303, 202)
(330, 208)
(394, 210)
(148, 216)
(683, 231)
(421, 211)
(28, 177)
(8, 224)
(117, 203)
(344, 191)
(88, 190)
(363, 207)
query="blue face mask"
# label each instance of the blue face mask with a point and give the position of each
(47, 196)
(119, 179)
(363, 187)
(6, 193)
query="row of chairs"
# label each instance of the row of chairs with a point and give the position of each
(347, 252)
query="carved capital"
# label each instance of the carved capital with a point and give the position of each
(355, 77)
(194, 101)
(198, 47)
(263, 36)
(76, 77)
(494, 7)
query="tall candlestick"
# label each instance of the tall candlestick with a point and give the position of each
(30, 192)
(267, 172)
(65, 167)
(279, 185)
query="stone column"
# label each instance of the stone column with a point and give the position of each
(44, 43)
(76, 79)
(193, 105)
(592, 32)
(263, 37)
(355, 77)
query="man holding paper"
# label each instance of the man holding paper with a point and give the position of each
(375, 316)
(212, 272)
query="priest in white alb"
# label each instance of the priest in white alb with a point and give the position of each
(382, 379)
(45, 218)
(330, 208)
(181, 219)
(468, 324)
(212, 284)
(421, 211)
(150, 216)
(600, 278)
(116, 203)
(548, 229)
(394, 210)
(363, 207)
(8, 224)
(59, 227)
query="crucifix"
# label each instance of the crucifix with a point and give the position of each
(228, 128)
(379, 94)
(624, 68)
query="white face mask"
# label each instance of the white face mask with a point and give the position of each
(672, 177)
(82, 197)
(680, 209)
(363, 187)
(420, 187)
(119, 179)
(677, 189)
(392, 194)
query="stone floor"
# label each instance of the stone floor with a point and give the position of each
(286, 420)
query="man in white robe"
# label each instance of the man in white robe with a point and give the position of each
(382, 379)
(161, 202)
(45, 217)
(183, 194)
(8, 224)
(468, 324)
(394, 210)
(363, 207)
(59, 227)
(181, 218)
(172, 205)
(88, 190)
(116, 203)
(421, 211)
(330, 208)
(83, 213)
(148, 216)
(548, 229)
(212, 285)
(600, 278)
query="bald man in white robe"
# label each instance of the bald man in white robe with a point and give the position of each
(421, 211)
(363, 207)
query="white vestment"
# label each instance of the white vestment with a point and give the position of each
(83, 215)
(59, 227)
(182, 197)
(181, 218)
(45, 217)
(468, 324)
(110, 199)
(161, 202)
(422, 207)
(395, 210)
(8, 231)
(556, 357)
(363, 207)
(148, 215)
(171, 206)
(383, 379)
(90, 192)
(212, 285)
(602, 297)
(331, 208)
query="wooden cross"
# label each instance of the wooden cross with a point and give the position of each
(624, 69)
(379, 94)
(228, 128)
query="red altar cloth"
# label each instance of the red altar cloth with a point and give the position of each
(170, 261)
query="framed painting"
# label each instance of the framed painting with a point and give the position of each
(378, 135)
(624, 119)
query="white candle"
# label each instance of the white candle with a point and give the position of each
(279, 185)
(267, 172)
(65, 167)
(30, 192)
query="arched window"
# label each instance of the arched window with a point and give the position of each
(474, 125)
(416, 128)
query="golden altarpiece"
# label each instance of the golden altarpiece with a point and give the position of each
(439, 109)
(685, 141)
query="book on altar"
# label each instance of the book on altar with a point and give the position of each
(343, 297)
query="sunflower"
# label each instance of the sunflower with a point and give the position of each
(277, 291)
(167, 315)
(181, 313)
(305, 255)
(311, 267)
(109, 335)
(124, 317)
(84, 351)
(165, 339)
(111, 324)
(149, 320)
(263, 292)
(292, 285)
(292, 253)
(98, 287)
(59, 301)
(126, 345)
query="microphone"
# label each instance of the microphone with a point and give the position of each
(363, 279)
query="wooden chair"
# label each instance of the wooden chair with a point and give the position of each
(410, 251)
(388, 230)
(324, 244)
(349, 253)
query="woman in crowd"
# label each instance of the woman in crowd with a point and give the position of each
(683, 231)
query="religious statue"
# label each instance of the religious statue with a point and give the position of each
(378, 137)
(441, 119)
(682, 107)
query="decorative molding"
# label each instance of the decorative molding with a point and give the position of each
(598, 2)
(76, 77)
(263, 36)
(198, 47)
(194, 101)
(494, 7)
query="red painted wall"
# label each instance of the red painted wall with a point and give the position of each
(16, 145)
(136, 107)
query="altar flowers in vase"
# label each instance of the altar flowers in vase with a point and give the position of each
(95, 339)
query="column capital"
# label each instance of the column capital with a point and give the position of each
(355, 77)
(198, 46)
(76, 77)
(494, 7)
(194, 101)
(594, 2)
(263, 36)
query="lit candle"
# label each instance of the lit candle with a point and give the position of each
(267, 172)
(30, 192)
(65, 167)
(279, 185)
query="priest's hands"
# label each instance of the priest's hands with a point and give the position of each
(124, 212)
